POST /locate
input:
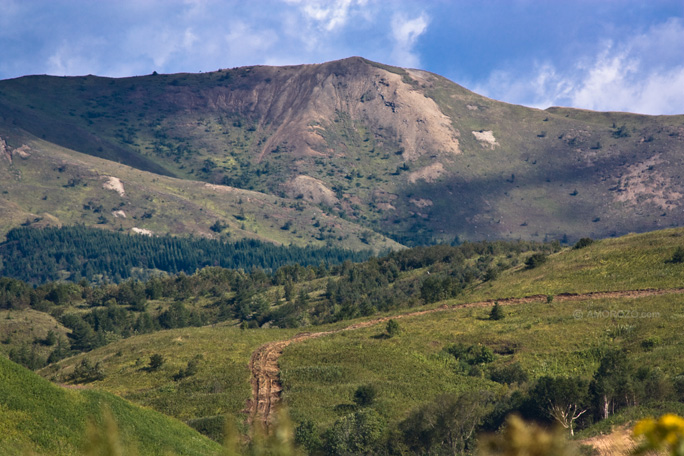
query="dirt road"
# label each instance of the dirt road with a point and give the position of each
(264, 360)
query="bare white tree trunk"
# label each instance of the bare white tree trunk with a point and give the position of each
(566, 416)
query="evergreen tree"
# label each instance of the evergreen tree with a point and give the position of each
(497, 312)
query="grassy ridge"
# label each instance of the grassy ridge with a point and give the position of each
(632, 262)
(40, 417)
(54, 186)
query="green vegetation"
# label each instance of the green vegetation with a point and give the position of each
(37, 256)
(497, 312)
(94, 316)
(40, 417)
(204, 377)
(367, 384)
(462, 353)
(162, 322)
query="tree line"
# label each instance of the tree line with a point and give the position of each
(73, 253)
(286, 297)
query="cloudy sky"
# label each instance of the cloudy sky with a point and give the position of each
(622, 55)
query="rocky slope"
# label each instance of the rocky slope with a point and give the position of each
(402, 152)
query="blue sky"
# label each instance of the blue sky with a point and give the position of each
(622, 55)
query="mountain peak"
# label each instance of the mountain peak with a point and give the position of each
(387, 149)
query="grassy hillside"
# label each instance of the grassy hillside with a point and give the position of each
(220, 385)
(47, 185)
(632, 262)
(40, 417)
(30, 329)
(321, 376)
(560, 337)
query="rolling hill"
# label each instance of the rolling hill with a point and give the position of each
(366, 149)
(562, 318)
(39, 417)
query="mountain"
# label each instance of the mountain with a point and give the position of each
(373, 150)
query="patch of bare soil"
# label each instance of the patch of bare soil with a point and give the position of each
(486, 139)
(618, 443)
(264, 368)
(643, 183)
(429, 174)
(114, 183)
(312, 190)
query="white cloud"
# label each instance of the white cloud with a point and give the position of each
(244, 42)
(328, 15)
(644, 74)
(73, 59)
(405, 33)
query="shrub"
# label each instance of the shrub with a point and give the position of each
(678, 384)
(497, 312)
(87, 372)
(535, 260)
(650, 343)
(306, 436)
(359, 433)
(191, 369)
(509, 374)
(392, 328)
(582, 243)
(677, 256)
(156, 361)
(474, 354)
(365, 395)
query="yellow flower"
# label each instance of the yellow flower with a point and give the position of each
(644, 427)
(672, 422)
(667, 432)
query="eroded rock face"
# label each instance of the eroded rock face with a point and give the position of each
(7, 153)
(114, 183)
(310, 189)
(293, 105)
(4, 151)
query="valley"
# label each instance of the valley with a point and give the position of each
(339, 258)
(554, 324)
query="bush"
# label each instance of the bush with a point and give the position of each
(582, 243)
(509, 374)
(191, 369)
(87, 372)
(474, 354)
(359, 433)
(365, 395)
(306, 436)
(392, 328)
(535, 260)
(447, 425)
(650, 343)
(678, 383)
(677, 256)
(496, 312)
(156, 361)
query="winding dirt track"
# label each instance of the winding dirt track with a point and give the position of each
(264, 360)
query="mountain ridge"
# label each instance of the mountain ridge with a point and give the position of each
(398, 152)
